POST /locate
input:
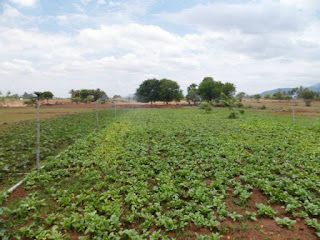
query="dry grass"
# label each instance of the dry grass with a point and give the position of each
(284, 106)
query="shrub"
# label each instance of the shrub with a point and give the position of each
(206, 106)
(264, 107)
(308, 102)
(89, 99)
(239, 104)
(30, 102)
(241, 111)
(76, 99)
(232, 115)
(267, 96)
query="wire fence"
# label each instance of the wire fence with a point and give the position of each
(28, 143)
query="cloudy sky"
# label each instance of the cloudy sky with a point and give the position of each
(114, 45)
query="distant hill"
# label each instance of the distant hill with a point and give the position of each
(315, 88)
(271, 92)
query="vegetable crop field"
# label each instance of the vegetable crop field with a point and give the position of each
(18, 141)
(173, 174)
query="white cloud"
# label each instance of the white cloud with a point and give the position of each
(303, 4)
(16, 66)
(252, 17)
(256, 51)
(25, 3)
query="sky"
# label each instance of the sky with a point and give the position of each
(58, 45)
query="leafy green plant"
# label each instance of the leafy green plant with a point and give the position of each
(206, 106)
(285, 222)
(251, 216)
(264, 210)
(213, 236)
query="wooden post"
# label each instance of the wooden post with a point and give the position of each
(38, 136)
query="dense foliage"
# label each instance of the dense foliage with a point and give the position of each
(209, 89)
(148, 91)
(153, 90)
(87, 95)
(173, 174)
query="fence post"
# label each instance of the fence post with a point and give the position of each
(97, 115)
(38, 136)
(293, 113)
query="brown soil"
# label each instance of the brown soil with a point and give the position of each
(75, 236)
(19, 192)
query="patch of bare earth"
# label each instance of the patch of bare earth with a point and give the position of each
(75, 236)
(18, 193)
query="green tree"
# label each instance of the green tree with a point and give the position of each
(308, 96)
(228, 89)
(89, 99)
(240, 96)
(47, 95)
(267, 96)
(169, 91)
(257, 97)
(193, 94)
(98, 93)
(26, 95)
(231, 103)
(278, 95)
(148, 91)
(210, 89)
(116, 96)
(84, 93)
(76, 100)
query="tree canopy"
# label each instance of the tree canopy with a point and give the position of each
(170, 90)
(47, 95)
(210, 89)
(241, 95)
(192, 94)
(153, 90)
(87, 94)
(148, 91)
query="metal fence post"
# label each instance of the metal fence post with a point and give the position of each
(38, 136)
(97, 115)
(293, 113)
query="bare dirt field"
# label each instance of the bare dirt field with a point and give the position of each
(14, 111)
(284, 107)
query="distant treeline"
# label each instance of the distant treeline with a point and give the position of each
(87, 95)
(166, 90)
